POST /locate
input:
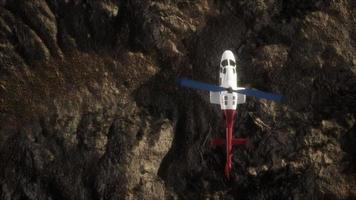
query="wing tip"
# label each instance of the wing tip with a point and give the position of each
(180, 81)
(282, 100)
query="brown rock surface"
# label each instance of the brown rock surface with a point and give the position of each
(89, 107)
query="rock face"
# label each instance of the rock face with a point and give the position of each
(89, 108)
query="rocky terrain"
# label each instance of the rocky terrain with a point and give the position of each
(89, 107)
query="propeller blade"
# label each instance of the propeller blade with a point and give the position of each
(261, 95)
(199, 85)
(214, 88)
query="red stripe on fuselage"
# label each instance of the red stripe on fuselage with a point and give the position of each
(229, 124)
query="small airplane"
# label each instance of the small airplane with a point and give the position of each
(228, 95)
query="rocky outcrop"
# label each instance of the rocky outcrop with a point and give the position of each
(89, 108)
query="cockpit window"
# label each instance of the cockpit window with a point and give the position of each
(224, 63)
(232, 63)
(224, 71)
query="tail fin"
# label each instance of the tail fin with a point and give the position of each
(235, 141)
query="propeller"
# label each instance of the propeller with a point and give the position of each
(214, 88)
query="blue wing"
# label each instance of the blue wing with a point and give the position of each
(199, 85)
(214, 88)
(260, 94)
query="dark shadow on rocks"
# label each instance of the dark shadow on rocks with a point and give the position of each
(348, 143)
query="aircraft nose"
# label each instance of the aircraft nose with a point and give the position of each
(228, 55)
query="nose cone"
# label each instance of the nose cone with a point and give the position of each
(228, 55)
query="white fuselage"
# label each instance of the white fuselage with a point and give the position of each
(228, 79)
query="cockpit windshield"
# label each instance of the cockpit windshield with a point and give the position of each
(224, 63)
(232, 63)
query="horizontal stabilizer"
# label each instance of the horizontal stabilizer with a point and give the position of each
(215, 97)
(218, 141)
(235, 141)
(238, 141)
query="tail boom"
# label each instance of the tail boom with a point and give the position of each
(229, 142)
